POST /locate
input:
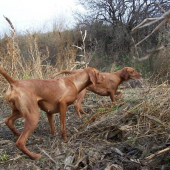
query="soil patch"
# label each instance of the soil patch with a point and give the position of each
(131, 135)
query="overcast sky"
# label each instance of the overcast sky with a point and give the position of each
(36, 14)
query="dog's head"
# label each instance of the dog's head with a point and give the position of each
(95, 76)
(129, 73)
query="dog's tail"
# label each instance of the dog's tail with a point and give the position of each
(7, 76)
(62, 72)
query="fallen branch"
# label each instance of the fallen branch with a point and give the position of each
(47, 155)
(157, 153)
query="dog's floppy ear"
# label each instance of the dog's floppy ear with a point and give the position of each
(93, 76)
(124, 74)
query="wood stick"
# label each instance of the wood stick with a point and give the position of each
(157, 153)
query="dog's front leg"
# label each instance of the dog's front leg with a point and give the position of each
(119, 94)
(62, 110)
(67, 98)
(51, 123)
(78, 105)
(112, 96)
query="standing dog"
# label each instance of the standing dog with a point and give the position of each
(107, 88)
(25, 97)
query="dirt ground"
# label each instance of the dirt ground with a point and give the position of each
(112, 137)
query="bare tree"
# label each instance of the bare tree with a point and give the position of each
(111, 22)
(129, 12)
(147, 22)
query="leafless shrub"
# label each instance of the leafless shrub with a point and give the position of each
(147, 22)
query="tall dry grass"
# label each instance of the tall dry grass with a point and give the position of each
(66, 56)
(33, 63)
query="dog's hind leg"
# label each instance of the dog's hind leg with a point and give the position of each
(31, 120)
(26, 103)
(10, 122)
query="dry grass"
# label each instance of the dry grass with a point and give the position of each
(34, 64)
(140, 120)
(20, 67)
(134, 133)
(66, 55)
(144, 112)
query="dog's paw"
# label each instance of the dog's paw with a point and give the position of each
(54, 133)
(36, 156)
(64, 138)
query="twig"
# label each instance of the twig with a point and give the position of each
(153, 31)
(117, 151)
(80, 147)
(77, 47)
(77, 164)
(165, 18)
(124, 155)
(18, 157)
(157, 153)
(152, 52)
(153, 20)
(156, 120)
(47, 155)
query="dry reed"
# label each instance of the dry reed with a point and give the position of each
(34, 64)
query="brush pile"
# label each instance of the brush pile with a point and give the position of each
(135, 131)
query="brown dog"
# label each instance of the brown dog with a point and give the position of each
(27, 96)
(107, 88)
